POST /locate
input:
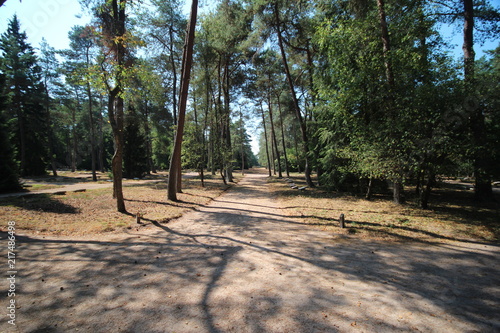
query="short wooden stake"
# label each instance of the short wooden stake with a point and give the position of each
(341, 220)
(138, 218)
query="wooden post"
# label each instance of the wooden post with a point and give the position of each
(341, 220)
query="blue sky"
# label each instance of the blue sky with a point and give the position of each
(53, 19)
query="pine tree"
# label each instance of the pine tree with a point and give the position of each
(135, 158)
(25, 100)
(8, 167)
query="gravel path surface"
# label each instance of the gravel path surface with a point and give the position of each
(240, 265)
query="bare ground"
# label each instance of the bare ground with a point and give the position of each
(240, 264)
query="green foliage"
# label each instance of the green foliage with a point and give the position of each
(9, 179)
(368, 128)
(135, 163)
(24, 92)
(488, 86)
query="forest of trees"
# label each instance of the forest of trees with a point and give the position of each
(356, 92)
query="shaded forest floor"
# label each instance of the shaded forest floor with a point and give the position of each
(241, 263)
(453, 213)
(94, 210)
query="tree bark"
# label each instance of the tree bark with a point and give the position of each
(425, 192)
(398, 190)
(369, 190)
(73, 132)
(305, 139)
(482, 189)
(149, 148)
(265, 137)
(273, 137)
(186, 73)
(92, 132)
(174, 71)
(386, 43)
(287, 168)
(115, 111)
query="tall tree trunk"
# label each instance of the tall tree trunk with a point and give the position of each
(227, 120)
(174, 72)
(92, 132)
(115, 112)
(101, 137)
(266, 141)
(149, 148)
(73, 132)
(386, 43)
(398, 189)
(296, 143)
(50, 134)
(369, 190)
(186, 73)
(273, 137)
(287, 168)
(242, 148)
(305, 139)
(199, 136)
(115, 100)
(91, 120)
(482, 189)
(425, 192)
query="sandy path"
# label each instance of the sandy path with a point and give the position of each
(239, 265)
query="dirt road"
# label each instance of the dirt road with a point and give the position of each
(240, 265)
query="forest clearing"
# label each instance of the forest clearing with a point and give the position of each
(454, 215)
(250, 166)
(244, 263)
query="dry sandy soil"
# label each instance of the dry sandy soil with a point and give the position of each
(240, 264)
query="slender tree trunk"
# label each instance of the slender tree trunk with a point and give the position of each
(398, 190)
(273, 137)
(242, 132)
(425, 192)
(50, 134)
(115, 101)
(149, 148)
(227, 120)
(92, 132)
(369, 190)
(386, 43)
(199, 139)
(296, 105)
(22, 132)
(266, 141)
(73, 129)
(482, 189)
(186, 73)
(295, 141)
(174, 72)
(116, 118)
(101, 137)
(287, 168)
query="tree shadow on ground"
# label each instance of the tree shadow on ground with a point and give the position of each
(40, 203)
(230, 269)
(176, 281)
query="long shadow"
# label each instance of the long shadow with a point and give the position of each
(478, 306)
(136, 282)
(40, 203)
(433, 235)
(170, 261)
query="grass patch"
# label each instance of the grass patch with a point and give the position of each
(39, 187)
(453, 214)
(94, 211)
